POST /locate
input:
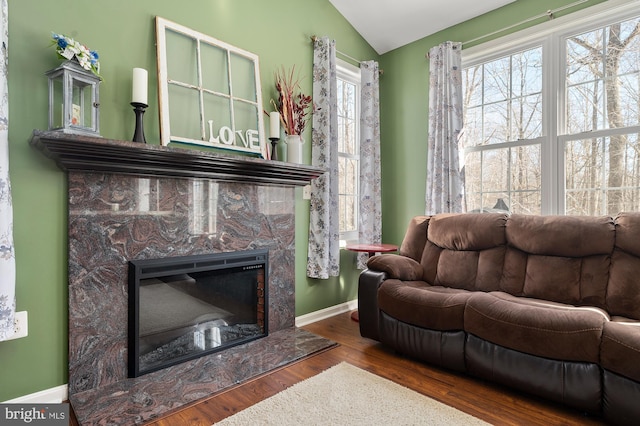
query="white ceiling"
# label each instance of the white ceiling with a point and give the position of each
(389, 24)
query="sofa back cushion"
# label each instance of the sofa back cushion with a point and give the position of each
(563, 259)
(623, 292)
(465, 251)
(415, 238)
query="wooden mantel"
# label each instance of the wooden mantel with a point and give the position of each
(101, 155)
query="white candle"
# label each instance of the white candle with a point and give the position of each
(274, 124)
(139, 90)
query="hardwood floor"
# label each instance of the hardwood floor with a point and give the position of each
(489, 402)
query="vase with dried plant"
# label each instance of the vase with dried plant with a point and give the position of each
(295, 110)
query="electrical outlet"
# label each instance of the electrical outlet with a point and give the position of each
(21, 325)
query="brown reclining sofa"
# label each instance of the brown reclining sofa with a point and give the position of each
(545, 304)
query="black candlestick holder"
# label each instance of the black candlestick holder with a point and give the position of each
(274, 148)
(138, 109)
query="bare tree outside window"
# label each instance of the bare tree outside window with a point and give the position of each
(503, 121)
(603, 82)
(593, 145)
(348, 152)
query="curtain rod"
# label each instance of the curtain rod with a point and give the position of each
(548, 13)
(314, 38)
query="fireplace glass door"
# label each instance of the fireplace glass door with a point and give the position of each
(182, 308)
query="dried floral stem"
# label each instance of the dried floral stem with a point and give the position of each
(292, 105)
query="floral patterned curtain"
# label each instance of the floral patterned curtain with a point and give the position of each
(7, 258)
(370, 217)
(324, 230)
(445, 174)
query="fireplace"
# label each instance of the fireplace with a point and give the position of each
(181, 308)
(133, 202)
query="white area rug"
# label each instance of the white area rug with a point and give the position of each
(347, 395)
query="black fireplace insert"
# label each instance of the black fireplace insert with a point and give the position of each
(181, 308)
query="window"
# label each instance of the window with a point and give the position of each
(503, 125)
(348, 84)
(602, 169)
(552, 122)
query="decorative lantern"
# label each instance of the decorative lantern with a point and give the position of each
(73, 99)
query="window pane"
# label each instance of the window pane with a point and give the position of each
(342, 185)
(495, 170)
(526, 180)
(347, 117)
(526, 117)
(583, 202)
(496, 124)
(473, 125)
(526, 202)
(217, 110)
(214, 60)
(602, 78)
(473, 84)
(184, 110)
(494, 202)
(473, 180)
(182, 62)
(348, 193)
(525, 168)
(527, 73)
(348, 154)
(243, 77)
(347, 215)
(585, 106)
(496, 80)
(503, 103)
(508, 179)
(602, 175)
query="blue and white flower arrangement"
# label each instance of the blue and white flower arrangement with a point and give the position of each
(69, 49)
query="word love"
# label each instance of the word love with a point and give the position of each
(227, 136)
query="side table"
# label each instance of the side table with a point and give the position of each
(372, 249)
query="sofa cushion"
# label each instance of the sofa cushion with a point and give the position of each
(455, 231)
(415, 238)
(422, 305)
(467, 270)
(562, 259)
(623, 294)
(396, 266)
(575, 281)
(565, 236)
(465, 251)
(536, 327)
(627, 232)
(620, 349)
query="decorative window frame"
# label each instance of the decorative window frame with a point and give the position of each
(250, 141)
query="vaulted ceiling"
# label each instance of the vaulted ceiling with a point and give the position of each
(389, 24)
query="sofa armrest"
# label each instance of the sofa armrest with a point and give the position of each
(368, 311)
(397, 266)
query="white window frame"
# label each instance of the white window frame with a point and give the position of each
(551, 36)
(347, 72)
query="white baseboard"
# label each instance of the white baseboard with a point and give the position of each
(48, 396)
(60, 393)
(312, 317)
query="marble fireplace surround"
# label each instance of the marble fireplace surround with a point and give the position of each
(134, 201)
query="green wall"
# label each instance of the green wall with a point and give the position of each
(122, 31)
